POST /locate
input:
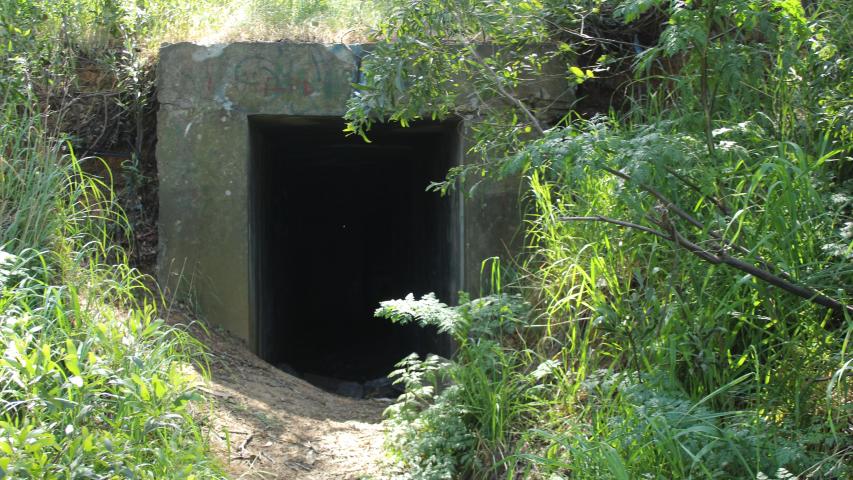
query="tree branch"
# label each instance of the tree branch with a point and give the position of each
(666, 202)
(693, 186)
(621, 223)
(726, 259)
(512, 98)
(670, 206)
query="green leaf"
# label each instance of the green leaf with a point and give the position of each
(159, 387)
(143, 388)
(614, 463)
(71, 360)
(577, 71)
(88, 443)
(794, 9)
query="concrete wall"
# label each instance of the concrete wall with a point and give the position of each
(206, 95)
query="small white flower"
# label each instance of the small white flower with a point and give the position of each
(840, 198)
(6, 258)
(847, 230)
(727, 145)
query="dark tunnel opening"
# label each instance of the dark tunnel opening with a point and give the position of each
(339, 225)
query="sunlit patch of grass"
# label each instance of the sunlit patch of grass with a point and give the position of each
(96, 25)
(93, 382)
(332, 21)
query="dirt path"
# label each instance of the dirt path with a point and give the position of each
(267, 424)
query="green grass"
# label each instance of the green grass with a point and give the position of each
(94, 25)
(93, 383)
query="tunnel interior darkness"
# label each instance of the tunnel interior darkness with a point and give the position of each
(339, 225)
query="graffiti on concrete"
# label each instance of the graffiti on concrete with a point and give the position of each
(258, 78)
(269, 78)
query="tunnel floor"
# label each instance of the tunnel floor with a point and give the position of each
(338, 226)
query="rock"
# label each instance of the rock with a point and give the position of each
(335, 385)
(381, 387)
(287, 368)
(350, 389)
(328, 384)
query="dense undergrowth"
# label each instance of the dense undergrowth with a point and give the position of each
(93, 384)
(682, 307)
(659, 325)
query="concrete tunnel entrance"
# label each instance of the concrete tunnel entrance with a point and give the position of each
(338, 225)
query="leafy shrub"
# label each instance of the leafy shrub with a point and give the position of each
(453, 409)
(427, 436)
(93, 384)
(490, 317)
(695, 243)
(648, 429)
(88, 390)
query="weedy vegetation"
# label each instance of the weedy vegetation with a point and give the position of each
(93, 384)
(682, 308)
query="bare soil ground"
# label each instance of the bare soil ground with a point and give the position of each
(267, 424)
